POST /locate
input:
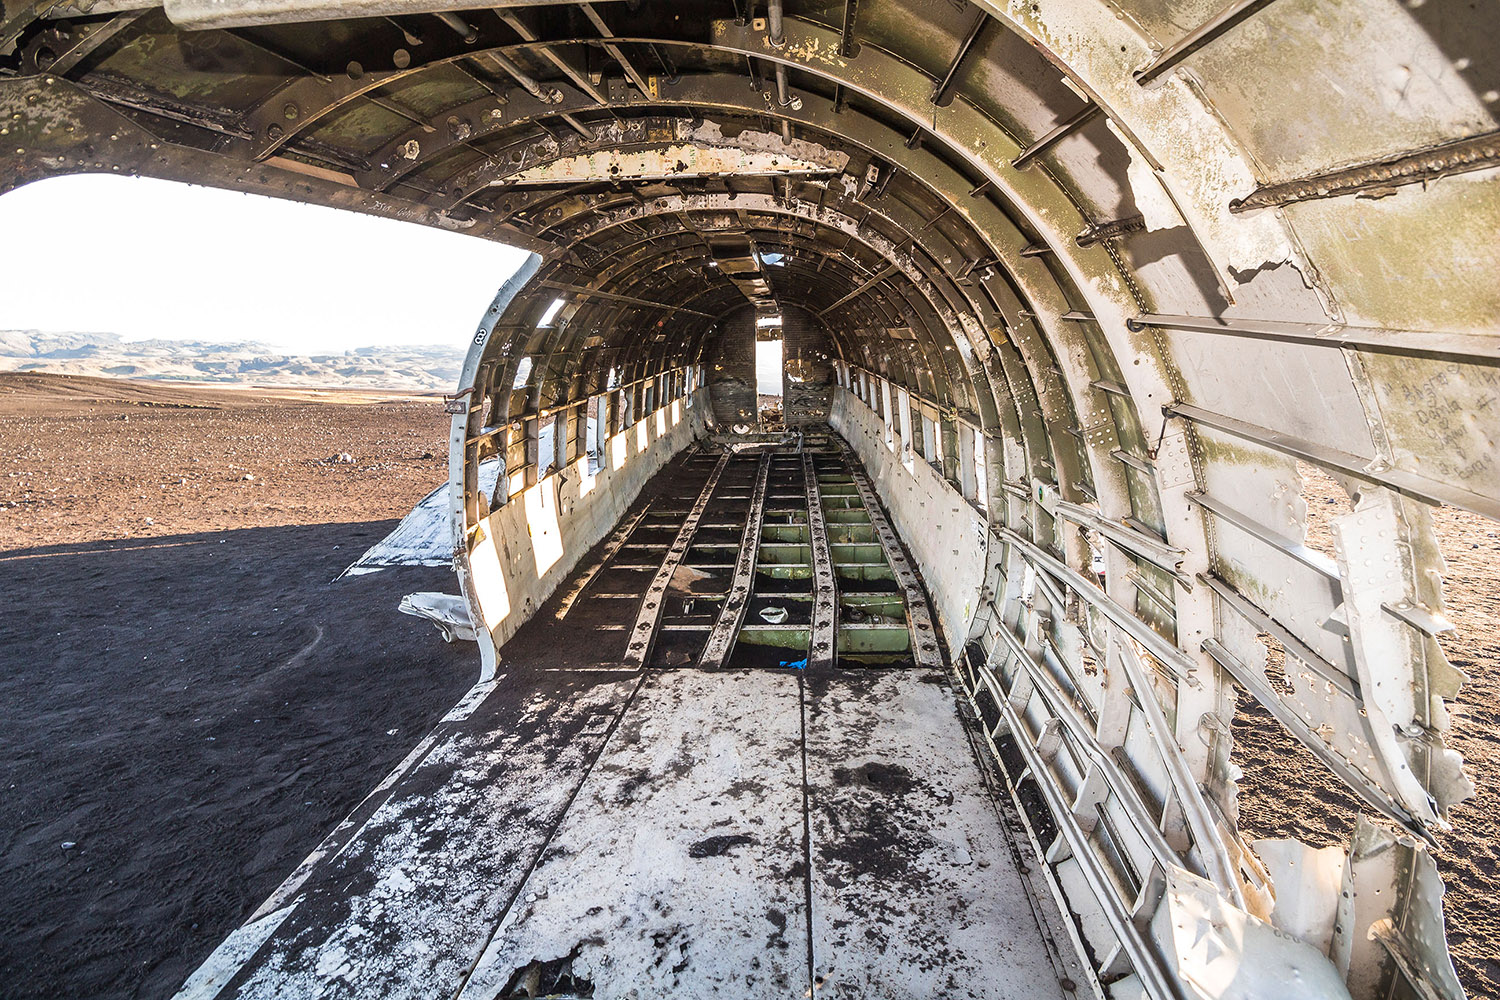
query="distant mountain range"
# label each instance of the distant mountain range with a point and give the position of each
(417, 368)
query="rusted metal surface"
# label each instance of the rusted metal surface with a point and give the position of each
(732, 613)
(1374, 180)
(823, 651)
(638, 651)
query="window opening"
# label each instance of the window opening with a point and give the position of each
(930, 450)
(968, 484)
(903, 407)
(593, 435)
(769, 381)
(888, 414)
(546, 446)
(552, 311)
(981, 474)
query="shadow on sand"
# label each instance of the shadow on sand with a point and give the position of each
(182, 719)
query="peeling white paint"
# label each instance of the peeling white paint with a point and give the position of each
(1151, 198)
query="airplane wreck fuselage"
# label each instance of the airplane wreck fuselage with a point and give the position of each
(1073, 297)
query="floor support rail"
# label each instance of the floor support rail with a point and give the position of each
(732, 614)
(644, 633)
(824, 649)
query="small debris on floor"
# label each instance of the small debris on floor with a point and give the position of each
(554, 978)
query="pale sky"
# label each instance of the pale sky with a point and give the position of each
(147, 258)
(768, 367)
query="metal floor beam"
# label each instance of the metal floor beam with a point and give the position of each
(823, 651)
(732, 613)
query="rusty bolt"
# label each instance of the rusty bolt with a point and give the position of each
(290, 112)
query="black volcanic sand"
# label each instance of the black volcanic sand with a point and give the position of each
(184, 696)
(192, 714)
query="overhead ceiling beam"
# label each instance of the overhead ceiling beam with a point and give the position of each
(940, 92)
(921, 304)
(12, 26)
(880, 276)
(846, 31)
(460, 27)
(596, 294)
(542, 92)
(579, 78)
(1419, 166)
(87, 40)
(529, 83)
(615, 51)
(1200, 36)
(200, 14)
(1056, 135)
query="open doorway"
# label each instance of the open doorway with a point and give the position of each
(768, 372)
